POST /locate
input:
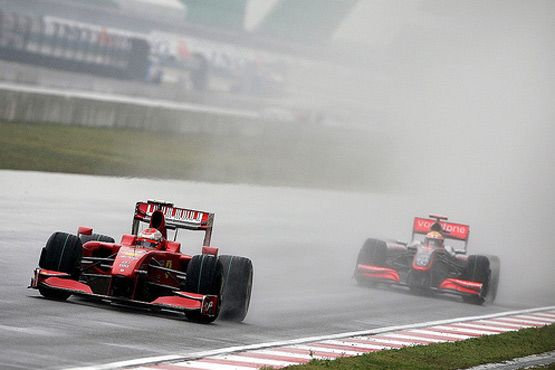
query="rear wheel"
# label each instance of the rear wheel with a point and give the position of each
(236, 295)
(373, 252)
(204, 276)
(61, 253)
(478, 270)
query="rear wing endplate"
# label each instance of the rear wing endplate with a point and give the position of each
(175, 217)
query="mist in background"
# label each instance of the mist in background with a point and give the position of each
(469, 93)
(459, 99)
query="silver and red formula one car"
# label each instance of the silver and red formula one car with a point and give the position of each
(147, 269)
(427, 265)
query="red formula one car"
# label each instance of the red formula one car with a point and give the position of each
(429, 266)
(147, 269)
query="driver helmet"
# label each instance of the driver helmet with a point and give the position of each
(434, 239)
(150, 238)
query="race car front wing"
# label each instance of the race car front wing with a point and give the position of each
(388, 275)
(180, 301)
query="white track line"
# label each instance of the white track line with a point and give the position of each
(196, 355)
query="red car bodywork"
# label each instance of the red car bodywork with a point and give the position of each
(128, 273)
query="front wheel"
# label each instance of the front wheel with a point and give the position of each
(61, 253)
(373, 252)
(478, 270)
(204, 276)
(495, 268)
(54, 294)
(97, 238)
(236, 295)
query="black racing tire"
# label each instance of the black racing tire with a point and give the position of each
(495, 268)
(373, 252)
(53, 294)
(236, 294)
(61, 253)
(478, 269)
(96, 237)
(204, 276)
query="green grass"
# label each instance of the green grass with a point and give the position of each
(273, 158)
(453, 355)
(57, 148)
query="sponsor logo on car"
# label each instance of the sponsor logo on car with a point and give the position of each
(177, 214)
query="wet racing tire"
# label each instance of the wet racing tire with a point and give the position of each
(495, 268)
(61, 253)
(478, 269)
(236, 294)
(373, 252)
(96, 237)
(204, 276)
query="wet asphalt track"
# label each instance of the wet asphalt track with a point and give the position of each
(303, 244)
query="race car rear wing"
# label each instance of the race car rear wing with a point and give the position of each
(175, 218)
(449, 230)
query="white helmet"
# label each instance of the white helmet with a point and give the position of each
(150, 237)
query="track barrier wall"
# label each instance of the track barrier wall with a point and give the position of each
(43, 105)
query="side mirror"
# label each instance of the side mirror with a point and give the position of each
(83, 230)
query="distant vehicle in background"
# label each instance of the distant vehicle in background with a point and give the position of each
(147, 269)
(429, 266)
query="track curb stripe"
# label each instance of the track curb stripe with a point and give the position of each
(479, 326)
(288, 357)
(502, 324)
(298, 351)
(459, 331)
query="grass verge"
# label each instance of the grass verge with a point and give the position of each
(452, 355)
(315, 159)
